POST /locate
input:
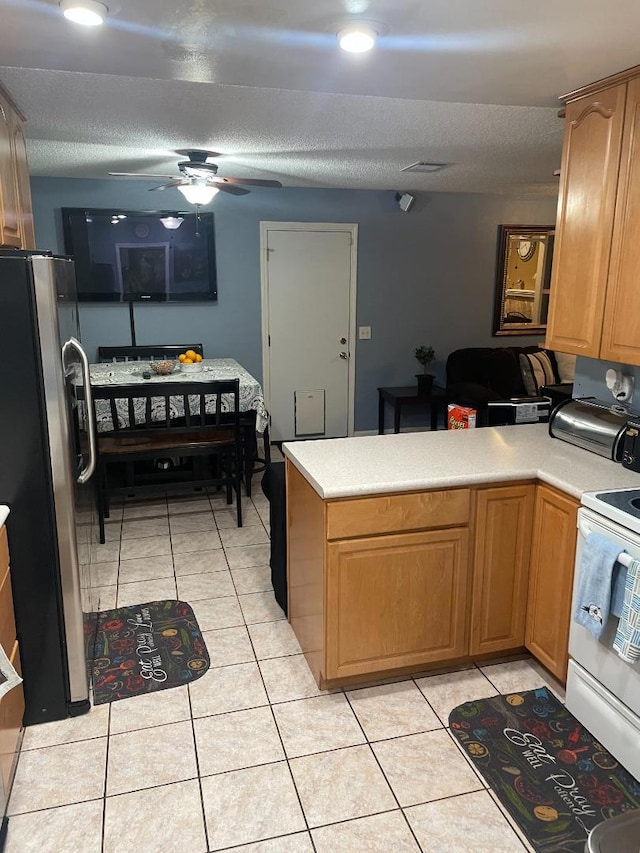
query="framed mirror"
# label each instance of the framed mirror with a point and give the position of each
(523, 278)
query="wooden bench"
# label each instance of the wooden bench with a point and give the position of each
(186, 420)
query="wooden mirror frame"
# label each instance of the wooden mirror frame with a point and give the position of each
(539, 295)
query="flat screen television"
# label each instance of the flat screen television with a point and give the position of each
(130, 256)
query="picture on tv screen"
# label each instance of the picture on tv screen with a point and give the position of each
(125, 256)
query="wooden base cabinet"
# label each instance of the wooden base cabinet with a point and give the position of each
(12, 703)
(400, 582)
(503, 523)
(396, 601)
(551, 579)
(365, 604)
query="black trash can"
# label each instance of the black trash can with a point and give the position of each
(273, 486)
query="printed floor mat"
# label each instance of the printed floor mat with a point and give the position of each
(552, 776)
(143, 648)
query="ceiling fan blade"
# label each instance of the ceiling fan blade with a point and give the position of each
(138, 175)
(231, 189)
(177, 183)
(253, 182)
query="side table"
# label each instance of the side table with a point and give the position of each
(408, 396)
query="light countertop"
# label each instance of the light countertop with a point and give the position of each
(369, 465)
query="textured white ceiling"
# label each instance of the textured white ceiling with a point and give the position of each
(470, 83)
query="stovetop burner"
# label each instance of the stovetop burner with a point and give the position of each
(627, 500)
(621, 506)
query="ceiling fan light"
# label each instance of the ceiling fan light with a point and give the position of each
(198, 193)
(172, 222)
(357, 38)
(89, 13)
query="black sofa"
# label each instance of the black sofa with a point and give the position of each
(477, 376)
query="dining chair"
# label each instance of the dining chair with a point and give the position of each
(196, 421)
(145, 353)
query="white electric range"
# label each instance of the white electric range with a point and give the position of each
(603, 691)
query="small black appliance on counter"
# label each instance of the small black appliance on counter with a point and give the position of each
(631, 446)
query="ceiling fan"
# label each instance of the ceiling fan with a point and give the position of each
(199, 180)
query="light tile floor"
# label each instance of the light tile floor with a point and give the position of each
(252, 757)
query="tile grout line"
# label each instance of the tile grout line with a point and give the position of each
(195, 749)
(384, 775)
(284, 750)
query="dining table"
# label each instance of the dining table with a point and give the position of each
(134, 372)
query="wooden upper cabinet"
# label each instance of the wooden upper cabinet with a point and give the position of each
(19, 146)
(504, 518)
(621, 329)
(10, 230)
(16, 219)
(586, 206)
(551, 579)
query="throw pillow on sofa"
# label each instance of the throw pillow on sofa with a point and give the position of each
(566, 366)
(537, 369)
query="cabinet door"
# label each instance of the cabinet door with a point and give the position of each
(19, 147)
(551, 579)
(11, 713)
(395, 601)
(503, 524)
(10, 232)
(621, 330)
(586, 203)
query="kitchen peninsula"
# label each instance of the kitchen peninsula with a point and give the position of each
(419, 550)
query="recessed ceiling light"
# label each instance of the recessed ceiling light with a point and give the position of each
(357, 38)
(425, 166)
(90, 13)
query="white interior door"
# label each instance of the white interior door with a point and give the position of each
(309, 276)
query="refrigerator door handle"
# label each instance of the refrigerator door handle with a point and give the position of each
(74, 344)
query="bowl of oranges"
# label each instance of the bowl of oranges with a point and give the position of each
(190, 361)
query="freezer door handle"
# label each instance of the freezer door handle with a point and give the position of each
(73, 344)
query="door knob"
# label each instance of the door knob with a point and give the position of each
(343, 341)
(344, 355)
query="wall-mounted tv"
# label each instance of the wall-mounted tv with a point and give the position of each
(130, 256)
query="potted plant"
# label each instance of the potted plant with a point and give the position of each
(425, 356)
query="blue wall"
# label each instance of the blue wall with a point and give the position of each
(423, 277)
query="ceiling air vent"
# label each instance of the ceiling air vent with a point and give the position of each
(425, 166)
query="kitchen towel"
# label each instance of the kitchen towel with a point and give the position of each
(593, 601)
(9, 678)
(627, 639)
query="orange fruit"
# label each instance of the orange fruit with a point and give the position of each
(191, 354)
(181, 357)
(187, 361)
(198, 358)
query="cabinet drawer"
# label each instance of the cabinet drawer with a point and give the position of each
(11, 713)
(397, 513)
(7, 619)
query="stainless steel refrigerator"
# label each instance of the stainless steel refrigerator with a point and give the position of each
(47, 459)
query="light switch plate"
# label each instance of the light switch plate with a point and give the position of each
(364, 333)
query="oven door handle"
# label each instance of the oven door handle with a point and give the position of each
(623, 558)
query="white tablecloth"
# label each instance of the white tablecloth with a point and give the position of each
(130, 373)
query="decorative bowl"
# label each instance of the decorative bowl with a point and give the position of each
(196, 367)
(164, 368)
